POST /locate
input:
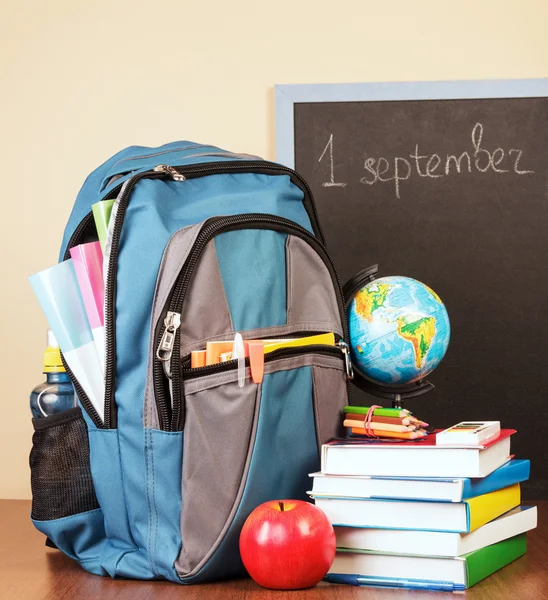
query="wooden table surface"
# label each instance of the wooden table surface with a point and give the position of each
(29, 570)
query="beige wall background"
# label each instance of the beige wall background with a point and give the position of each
(81, 80)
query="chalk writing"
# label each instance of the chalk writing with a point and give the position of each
(331, 182)
(433, 166)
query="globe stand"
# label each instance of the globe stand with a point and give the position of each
(397, 394)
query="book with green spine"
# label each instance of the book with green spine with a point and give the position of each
(485, 561)
(462, 571)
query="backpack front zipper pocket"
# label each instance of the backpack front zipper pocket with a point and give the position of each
(340, 349)
(167, 333)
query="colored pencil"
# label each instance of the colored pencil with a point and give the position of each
(381, 412)
(392, 420)
(379, 426)
(411, 435)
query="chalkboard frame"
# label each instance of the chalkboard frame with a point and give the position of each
(287, 95)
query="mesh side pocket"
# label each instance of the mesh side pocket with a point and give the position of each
(60, 471)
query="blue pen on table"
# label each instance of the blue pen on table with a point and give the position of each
(389, 582)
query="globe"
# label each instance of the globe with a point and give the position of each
(399, 330)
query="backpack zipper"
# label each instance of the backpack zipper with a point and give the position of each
(248, 167)
(110, 300)
(124, 190)
(230, 365)
(159, 153)
(200, 170)
(168, 337)
(82, 396)
(220, 153)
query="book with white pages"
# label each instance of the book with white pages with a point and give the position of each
(460, 572)
(417, 458)
(458, 517)
(437, 489)
(428, 543)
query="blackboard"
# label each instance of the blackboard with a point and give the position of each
(452, 192)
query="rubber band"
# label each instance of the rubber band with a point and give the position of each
(367, 422)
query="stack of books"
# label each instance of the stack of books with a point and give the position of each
(420, 515)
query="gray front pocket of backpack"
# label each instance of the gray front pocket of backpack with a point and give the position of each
(218, 441)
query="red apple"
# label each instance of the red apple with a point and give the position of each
(287, 544)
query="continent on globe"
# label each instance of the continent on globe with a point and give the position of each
(369, 299)
(420, 333)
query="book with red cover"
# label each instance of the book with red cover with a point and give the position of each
(415, 458)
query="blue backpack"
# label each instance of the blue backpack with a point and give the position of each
(202, 244)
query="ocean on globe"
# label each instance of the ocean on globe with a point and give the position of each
(399, 330)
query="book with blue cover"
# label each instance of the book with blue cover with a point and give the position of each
(413, 488)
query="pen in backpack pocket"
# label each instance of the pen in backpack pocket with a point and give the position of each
(238, 353)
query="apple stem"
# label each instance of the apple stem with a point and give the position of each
(281, 505)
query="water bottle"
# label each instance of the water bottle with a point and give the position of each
(56, 394)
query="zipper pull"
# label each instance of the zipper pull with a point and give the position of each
(345, 348)
(165, 349)
(170, 171)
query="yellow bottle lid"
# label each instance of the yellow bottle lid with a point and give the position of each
(52, 356)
